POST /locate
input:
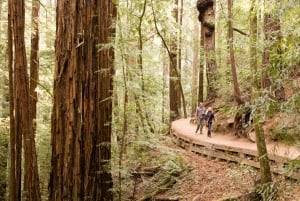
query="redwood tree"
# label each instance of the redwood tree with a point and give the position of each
(196, 45)
(82, 110)
(23, 121)
(15, 140)
(174, 72)
(34, 60)
(236, 88)
(206, 10)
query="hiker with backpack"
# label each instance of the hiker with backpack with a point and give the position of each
(200, 116)
(210, 117)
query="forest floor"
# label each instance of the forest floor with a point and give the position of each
(215, 180)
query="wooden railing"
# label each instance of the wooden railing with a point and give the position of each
(233, 154)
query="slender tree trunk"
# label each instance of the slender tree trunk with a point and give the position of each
(253, 46)
(15, 140)
(174, 77)
(34, 61)
(201, 66)
(179, 58)
(174, 72)
(144, 114)
(31, 189)
(257, 119)
(237, 93)
(196, 52)
(206, 10)
(164, 87)
(122, 140)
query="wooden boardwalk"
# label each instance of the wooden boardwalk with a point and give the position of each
(230, 148)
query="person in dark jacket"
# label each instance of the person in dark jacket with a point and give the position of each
(210, 117)
(200, 116)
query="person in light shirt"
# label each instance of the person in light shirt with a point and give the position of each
(200, 116)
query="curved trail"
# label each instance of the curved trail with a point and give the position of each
(231, 148)
(185, 128)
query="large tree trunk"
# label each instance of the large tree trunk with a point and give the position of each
(206, 10)
(23, 121)
(82, 111)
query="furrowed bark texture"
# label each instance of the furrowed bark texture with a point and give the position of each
(82, 112)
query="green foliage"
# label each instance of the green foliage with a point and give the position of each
(284, 134)
(292, 166)
(286, 128)
(268, 191)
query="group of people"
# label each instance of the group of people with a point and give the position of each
(204, 116)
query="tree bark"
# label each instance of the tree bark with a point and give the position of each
(106, 63)
(82, 110)
(206, 10)
(15, 140)
(34, 61)
(174, 76)
(195, 79)
(201, 66)
(236, 88)
(23, 121)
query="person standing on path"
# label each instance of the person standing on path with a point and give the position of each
(200, 114)
(210, 116)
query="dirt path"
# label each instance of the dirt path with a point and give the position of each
(184, 127)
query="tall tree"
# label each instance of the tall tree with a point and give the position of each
(257, 119)
(140, 105)
(201, 66)
(23, 121)
(174, 111)
(236, 88)
(82, 110)
(196, 69)
(174, 72)
(15, 140)
(34, 60)
(206, 10)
